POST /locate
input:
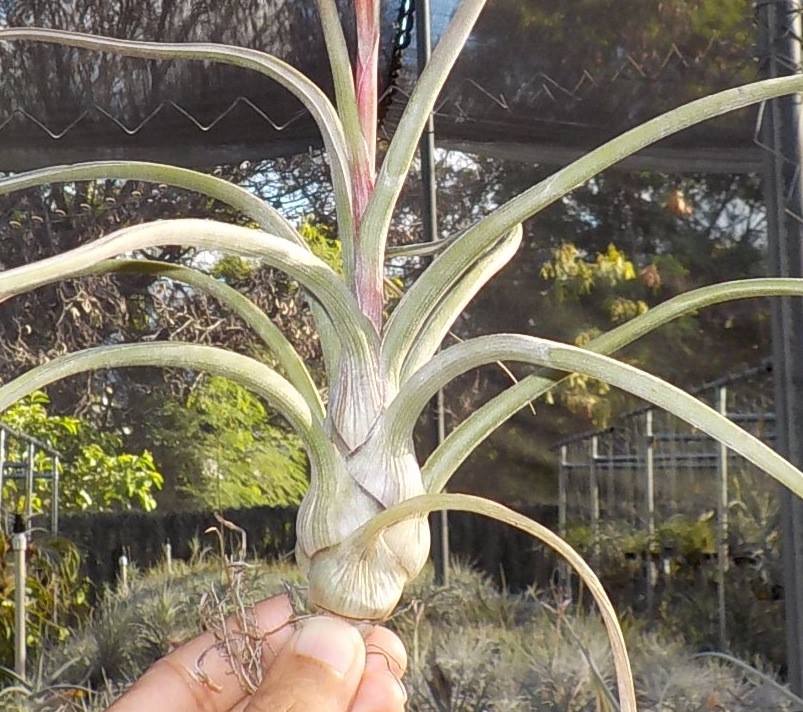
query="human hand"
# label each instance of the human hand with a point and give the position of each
(322, 665)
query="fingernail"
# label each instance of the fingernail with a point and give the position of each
(329, 641)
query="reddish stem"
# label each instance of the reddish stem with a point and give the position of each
(366, 73)
(369, 287)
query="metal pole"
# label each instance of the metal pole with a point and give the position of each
(722, 524)
(19, 544)
(123, 562)
(780, 25)
(649, 462)
(593, 487)
(2, 473)
(429, 210)
(29, 484)
(54, 497)
(563, 569)
(610, 494)
(169, 557)
(562, 490)
(443, 514)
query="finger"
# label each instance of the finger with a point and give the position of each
(318, 670)
(385, 651)
(379, 691)
(241, 705)
(171, 684)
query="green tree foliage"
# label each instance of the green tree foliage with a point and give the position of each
(222, 449)
(609, 284)
(97, 473)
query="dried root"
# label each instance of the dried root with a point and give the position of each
(227, 613)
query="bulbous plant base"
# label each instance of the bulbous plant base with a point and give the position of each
(367, 584)
(363, 586)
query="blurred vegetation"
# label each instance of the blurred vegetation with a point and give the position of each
(58, 595)
(684, 554)
(226, 451)
(102, 476)
(471, 647)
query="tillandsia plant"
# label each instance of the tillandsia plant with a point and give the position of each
(362, 532)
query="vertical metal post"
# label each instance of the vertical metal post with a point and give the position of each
(29, 472)
(562, 490)
(649, 472)
(443, 514)
(593, 499)
(780, 47)
(169, 557)
(563, 569)
(610, 492)
(54, 497)
(2, 473)
(722, 524)
(430, 223)
(123, 562)
(19, 544)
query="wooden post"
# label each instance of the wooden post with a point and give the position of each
(123, 562)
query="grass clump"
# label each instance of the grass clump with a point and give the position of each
(472, 648)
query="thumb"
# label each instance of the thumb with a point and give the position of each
(318, 669)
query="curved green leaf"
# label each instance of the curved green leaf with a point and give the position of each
(450, 363)
(454, 266)
(263, 214)
(313, 274)
(543, 194)
(467, 436)
(436, 318)
(171, 354)
(420, 249)
(301, 86)
(423, 504)
(250, 313)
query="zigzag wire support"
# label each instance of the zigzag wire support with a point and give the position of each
(550, 88)
(134, 130)
(555, 91)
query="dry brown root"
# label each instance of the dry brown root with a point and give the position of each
(227, 613)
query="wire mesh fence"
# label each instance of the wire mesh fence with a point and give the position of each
(655, 492)
(26, 461)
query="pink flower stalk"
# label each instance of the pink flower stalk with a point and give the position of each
(366, 73)
(369, 287)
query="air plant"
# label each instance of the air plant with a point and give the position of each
(362, 531)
